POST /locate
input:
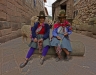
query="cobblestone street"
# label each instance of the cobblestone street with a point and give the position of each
(12, 53)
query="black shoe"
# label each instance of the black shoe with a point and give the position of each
(23, 64)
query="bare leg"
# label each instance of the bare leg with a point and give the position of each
(66, 51)
(68, 57)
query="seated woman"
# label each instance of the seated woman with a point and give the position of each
(60, 39)
(40, 34)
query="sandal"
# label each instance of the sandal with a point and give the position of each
(57, 59)
(42, 61)
(68, 57)
(23, 64)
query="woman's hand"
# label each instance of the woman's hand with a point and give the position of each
(40, 40)
(59, 38)
(35, 40)
(65, 34)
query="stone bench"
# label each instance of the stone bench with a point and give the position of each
(77, 47)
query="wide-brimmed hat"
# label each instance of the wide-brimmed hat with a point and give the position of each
(41, 14)
(62, 13)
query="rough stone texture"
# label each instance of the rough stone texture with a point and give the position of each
(2, 16)
(86, 15)
(94, 36)
(4, 25)
(94, 29)
(67, 6)
(0, 33)
(5, 32)
(15, 12)
(69, 11)
(13, 35)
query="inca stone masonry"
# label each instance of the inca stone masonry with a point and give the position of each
(15, 12)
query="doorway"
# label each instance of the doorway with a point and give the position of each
(63, 7)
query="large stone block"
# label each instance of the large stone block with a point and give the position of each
(19, 25)
(5, 32)
(90, 28)
(0, 33)
(92, 21)
(10, 12)
(84, 32)
(4, 25)
(15, 34)
(17, 19)
(20, 2)
(3, 8)
(94, 29)
(2, 16)
(90, 34)
(83, 27)
(14, 26)
(11, 1)
(8, 18)
(77, 27)
(77, 47)
(94, 36)
(13, 19)
(19, 32)
(1, 26)
(18, 5)
(10, 5)
(17, 13)
(3, 2)
(6, 38)
(11, 36)
(2, 39)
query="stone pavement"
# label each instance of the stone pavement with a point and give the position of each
(12, 53)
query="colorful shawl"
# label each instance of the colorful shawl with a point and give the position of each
(66, 23)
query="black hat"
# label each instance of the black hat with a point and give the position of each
(41, 14)
(62, 14)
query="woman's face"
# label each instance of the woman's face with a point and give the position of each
(61, 19)
(42, 19)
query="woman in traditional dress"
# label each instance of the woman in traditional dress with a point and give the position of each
(40, 36)
(61, 32)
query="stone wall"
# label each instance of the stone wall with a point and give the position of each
(57, 7)
(85, 17)
(15, 12)
(69, 11)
